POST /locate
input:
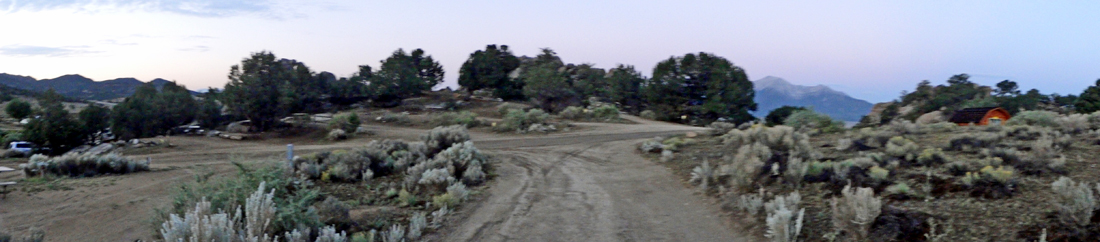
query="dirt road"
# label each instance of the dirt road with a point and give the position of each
(581, 186)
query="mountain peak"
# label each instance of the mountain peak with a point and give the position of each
(774, 92)
(770, 81)
(79, 87)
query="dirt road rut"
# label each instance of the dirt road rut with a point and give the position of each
(587, 188)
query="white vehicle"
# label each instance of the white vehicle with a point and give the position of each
(22, 146)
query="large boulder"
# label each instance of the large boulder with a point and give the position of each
(931, 117)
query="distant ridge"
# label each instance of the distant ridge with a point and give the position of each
(774, 92)
(79, 87)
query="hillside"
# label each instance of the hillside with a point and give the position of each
(77, 86)
(774, 92)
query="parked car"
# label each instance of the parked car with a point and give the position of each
(22, 146)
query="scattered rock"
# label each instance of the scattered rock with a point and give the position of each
(895, 224)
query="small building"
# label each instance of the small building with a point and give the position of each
(980, 116)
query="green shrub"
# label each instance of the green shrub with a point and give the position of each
(900, 189)
(990, 182)
(573, 113)
(902, 148)
(504, 108)
(878, 173)
(9, 136)
(206, 223)
(1034, 118)
(76, 165)
(348, 121)
(970, 140)
(930, 157)
(441, 138)
(810, 120)
(648, 114)
(18, 109)
(517, 120)
(606, 113)
(464, 118)
(397, 118)
(292, 199)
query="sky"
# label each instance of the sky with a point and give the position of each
(872, 50)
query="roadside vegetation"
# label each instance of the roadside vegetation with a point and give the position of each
(388, 190)
(810, 179)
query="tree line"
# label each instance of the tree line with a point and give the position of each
(959, 92)
(692, 88)
(698, 86)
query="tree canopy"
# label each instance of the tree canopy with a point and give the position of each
(624, 86)
(779, 115)
(18, 109)
(489, 69)
(405, 75)
(55, 129)
(701, 86)
(255, 89)
(1089, 101)
(149, 112)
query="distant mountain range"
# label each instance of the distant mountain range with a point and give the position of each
(774, 92)
(79, 87)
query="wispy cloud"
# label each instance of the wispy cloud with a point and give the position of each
(197, 48)
(31, 50)
(200, 8)
(117, 42)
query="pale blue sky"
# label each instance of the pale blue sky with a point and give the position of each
(869, 49)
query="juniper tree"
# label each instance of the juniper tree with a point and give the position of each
(702, 86)
(489, 69)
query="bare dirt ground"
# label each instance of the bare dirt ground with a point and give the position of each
(579, 186)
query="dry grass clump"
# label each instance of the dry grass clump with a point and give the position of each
(941, 127)
(784, 218)
(1034, 118)
(854, 211)
(931, 156)
(990, 182)
(902, 148)
(444, 157)
(79, 165)
(1076, 202)
(464, 118)
(441, 138)
(648, 114)
(974, 141)
(719, 128)
(573, 113)
(396, 118)
(903, 127)
(814, 122)
(652, 145)
(504, 108)
(517, 120)
(337, 134)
